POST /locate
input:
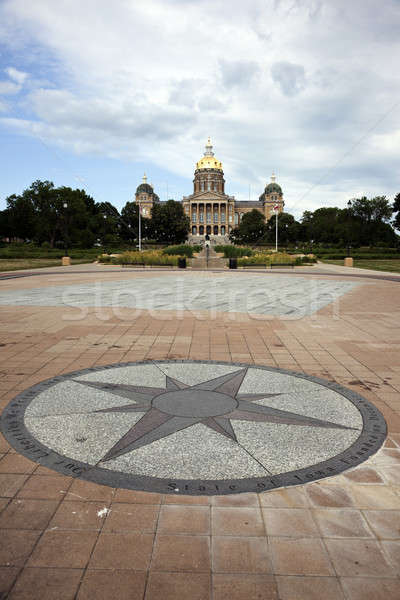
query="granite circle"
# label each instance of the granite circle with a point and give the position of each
(193, 427)
(194, 403)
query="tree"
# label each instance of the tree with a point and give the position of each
(371, 216)
(252, 228)
(44, 213)
(289, 230)
(365, 222)
(6, 230)
(21, 219)
(396, 209)
(169, 222)
(372, 210)
(107, 223)
(48, 210)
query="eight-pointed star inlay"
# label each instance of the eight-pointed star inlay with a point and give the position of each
(214, 403)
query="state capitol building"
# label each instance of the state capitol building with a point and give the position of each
(209, 209)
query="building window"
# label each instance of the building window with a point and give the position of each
(215, 229)
(194, 217)
(223, 230)
(236, 219)
(222, 217)
(194, 230)
(201, 216)
(208, 217)
(201, 230)
(230, 218)
(215, 217)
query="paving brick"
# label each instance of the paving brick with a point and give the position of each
(181, 553)
(24, 513)
(170, 586)
(122, 551)
(236, 587)
(47, 584)
(63, 549)
(240, 555)
(121, 584)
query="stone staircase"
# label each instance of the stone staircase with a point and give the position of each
(213, 261)
(214, 239)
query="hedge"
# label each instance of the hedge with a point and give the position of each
(150, 258)
(233, 251)
(182, 250)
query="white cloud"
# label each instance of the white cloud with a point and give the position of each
(287, 85)
(16, 75)
(9, 87)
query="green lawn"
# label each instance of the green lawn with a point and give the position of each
(16, 264)
(392, 265)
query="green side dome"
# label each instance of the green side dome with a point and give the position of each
(273, 187)
(144, 187)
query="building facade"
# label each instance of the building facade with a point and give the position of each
(210, 210)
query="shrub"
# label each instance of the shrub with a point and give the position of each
(281, 257)
(266, 259)
(181, 250)
(150, 258)
(31, 251)
(256, 259)
(105, 258)
(231, 251)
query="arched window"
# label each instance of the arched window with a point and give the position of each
(215, 229)
(222, 230)
(201, 230)
(194, 230)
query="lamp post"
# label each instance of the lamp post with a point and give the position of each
(276, 209)
(104, 233)
(65, 207)
(349, 205)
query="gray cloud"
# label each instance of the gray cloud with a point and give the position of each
(237, 73)
(291, 78)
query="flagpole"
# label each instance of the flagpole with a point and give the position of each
(276, 229)
(140, 228)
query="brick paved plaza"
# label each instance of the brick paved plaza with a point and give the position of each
(337, 538)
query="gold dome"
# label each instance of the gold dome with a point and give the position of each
(209, 161)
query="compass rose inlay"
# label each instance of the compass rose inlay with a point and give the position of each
(213, 403)
(193, 427)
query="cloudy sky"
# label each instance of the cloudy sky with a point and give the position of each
(93, 93)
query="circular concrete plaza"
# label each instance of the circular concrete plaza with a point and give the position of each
(193, 427)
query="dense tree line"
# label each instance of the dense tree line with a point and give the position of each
(364, 222)
(44, 214)
(59, 217)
